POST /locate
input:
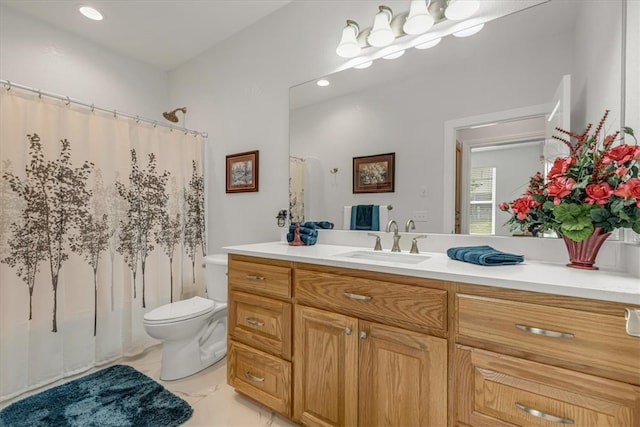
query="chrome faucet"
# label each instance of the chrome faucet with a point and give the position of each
(410, 225)
(378, 245)
(414, 244)
(396, 236)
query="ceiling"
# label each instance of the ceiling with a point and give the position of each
(162, 33)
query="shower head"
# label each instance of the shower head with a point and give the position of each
(171, 115)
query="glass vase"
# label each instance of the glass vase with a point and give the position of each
(583, 254)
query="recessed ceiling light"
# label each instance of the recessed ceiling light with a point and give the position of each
(90, 13)
(323, 83)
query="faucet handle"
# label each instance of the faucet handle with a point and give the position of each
(378, 246)
(414, 244)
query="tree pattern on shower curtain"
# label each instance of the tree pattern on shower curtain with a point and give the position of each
(51, 212)
(56, 197)
(194, 230)
(147, 198)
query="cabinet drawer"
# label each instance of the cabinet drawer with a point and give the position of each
(261, 322)
(498, 390)
(411, 307)
(263, 279)
(585, 341)
(260, 376)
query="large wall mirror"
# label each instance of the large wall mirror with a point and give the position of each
(457, 115)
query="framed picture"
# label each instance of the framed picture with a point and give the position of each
(242, 172)
(374, 174)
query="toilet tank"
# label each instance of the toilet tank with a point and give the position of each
(216, 277)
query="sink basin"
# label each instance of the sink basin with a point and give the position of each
(394, 257)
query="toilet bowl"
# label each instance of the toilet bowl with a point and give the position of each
(193, 331)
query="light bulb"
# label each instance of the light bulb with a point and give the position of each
(419, 20)
(461, 9)
(349, 46)
(381, 33)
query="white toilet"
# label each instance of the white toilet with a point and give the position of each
(193, 331)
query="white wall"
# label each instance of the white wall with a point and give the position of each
(35, 54)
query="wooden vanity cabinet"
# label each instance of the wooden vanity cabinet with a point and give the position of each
(329, 346)
(351, 369)
(533, 359)
(259, 331)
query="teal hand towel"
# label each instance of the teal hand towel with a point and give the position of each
(483, 255)
(365, 217)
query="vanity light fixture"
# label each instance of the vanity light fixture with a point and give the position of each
(381, 34)
(469, 31)
(349, 46)
(90, 13)
(394, 55)
(387, 28)
(427, 44)
(363, 65)
(419, 19)
(458, 10)
(323, 83)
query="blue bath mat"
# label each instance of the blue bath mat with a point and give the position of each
(117, 396)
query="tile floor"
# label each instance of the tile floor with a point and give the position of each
(214, 403)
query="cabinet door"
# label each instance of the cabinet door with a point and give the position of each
(403, 377)
(325, 368)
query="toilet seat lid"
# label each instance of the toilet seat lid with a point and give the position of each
(180, 310)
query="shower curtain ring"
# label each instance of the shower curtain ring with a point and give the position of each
(138, 119)
(115, 115)
(92, 108)
(67, 102)
(8, 85)
(39, 94)
(154, 123)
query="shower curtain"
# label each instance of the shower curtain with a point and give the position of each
(296, 189)
(101, 220)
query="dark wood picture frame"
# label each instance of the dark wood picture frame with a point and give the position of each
(374, 174)
(243, 172)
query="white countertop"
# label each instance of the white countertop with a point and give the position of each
(529, 276)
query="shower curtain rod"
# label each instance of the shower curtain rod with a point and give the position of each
(8, 84)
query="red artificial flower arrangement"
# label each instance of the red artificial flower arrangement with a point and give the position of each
(597, 186)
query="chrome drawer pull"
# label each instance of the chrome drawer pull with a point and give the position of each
(254, 322)
(356, 296)
(254, 277)
(253, 378)
(544, 416)
(544, 332)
